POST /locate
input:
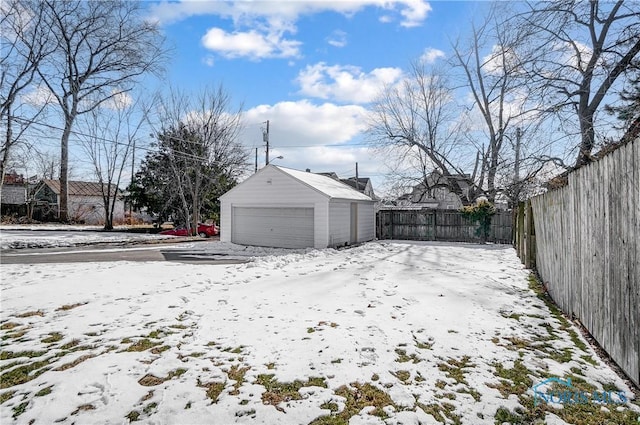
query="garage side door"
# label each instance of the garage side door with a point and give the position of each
(276, 227)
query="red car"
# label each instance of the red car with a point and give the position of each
(204, 230)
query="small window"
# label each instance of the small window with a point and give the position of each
(450, 207)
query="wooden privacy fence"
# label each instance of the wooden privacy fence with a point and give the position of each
(587, 252)
(440, 225)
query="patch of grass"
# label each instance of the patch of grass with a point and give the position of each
(67, 307)
(45, 391)
(151, 380)
(402, 375)
(20, 409)
(74, 363)
(14, 335)
(441, 412)
(69, 345)
(515, 380)
(336, 361)
(7, 395)
(516, 343)
(181, 326)
(589, 360)
(357, 397)
(423, 345)
(157, 334)
(83, 408)
(142, 345)
(237, 373)
(278, 392)
(6, 355)
(375, 377)
(472, 392)
(330, 406)
(403, 357)
(31, 314)
(310, 330)
(149, 408)
(270, 366)
(133, 416)
(53, 337)
(158, 350)
(9, 325)
(454, 369)
(561, 356)
(214, 389)
(504, 415)
(23, 374)
(514, 316)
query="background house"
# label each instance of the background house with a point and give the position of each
(361, 184)
(436, 192)
(85, 201)
(13, 197)
(287, 208)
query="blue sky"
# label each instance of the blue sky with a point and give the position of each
(310, 68)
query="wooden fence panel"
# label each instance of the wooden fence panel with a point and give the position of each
(440, 225)
(588, 254)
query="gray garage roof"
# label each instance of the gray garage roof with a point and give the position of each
(326, 185)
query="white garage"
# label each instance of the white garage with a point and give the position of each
(281, 207)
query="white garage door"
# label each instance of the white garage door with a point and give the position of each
(277, 227)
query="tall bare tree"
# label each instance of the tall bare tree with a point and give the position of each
(109, 136)
(417, 121)
(580, 50)
(492, 72)
(25, 42)
(198, 139)
(101, 48)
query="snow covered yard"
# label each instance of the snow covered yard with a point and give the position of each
(396, 333)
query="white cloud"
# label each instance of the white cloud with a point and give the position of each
(345, 83)
(303, 123)
(260, 26)
(411, 12)
(322, 137)
(39, 96)
(414, 12)
(120, 100)
(209, 60)
(251, 44)
(337, 38)
(430, 55)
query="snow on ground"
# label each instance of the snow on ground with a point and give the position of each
(396, 333)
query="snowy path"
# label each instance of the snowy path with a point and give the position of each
(383, 333)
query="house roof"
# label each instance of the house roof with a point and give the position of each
(77, 188)
(323, 184)
(351, 181)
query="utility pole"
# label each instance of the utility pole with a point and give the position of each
(256, 169)
(265, 137)
(357, 181)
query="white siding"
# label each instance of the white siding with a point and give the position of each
(366, 221)
(339, 223)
